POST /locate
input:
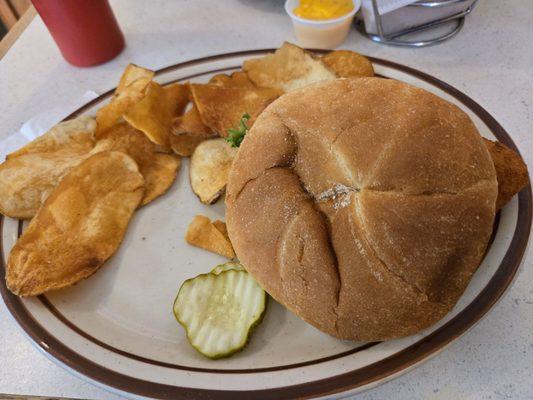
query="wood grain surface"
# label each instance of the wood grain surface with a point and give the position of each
(14, 33)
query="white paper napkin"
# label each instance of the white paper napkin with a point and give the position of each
(41, 123)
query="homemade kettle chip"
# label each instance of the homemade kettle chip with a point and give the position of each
(236, 79)
(159, 170)
(29, 174)
(187, 132)
(178, 96)
(204, 234)
(184, 144)
(249, 98)
(209, 169)
(79, 227)
(222, 107)
(152, 115)
(121, 102)
(348, 64)
(288, 68)
(190, 129)
(511, 171)
(131, 74)
(74, 134)
(130, 90)
(27, 181)
(221, 226)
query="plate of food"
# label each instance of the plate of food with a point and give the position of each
(274, 224)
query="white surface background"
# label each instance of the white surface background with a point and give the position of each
(491, 60)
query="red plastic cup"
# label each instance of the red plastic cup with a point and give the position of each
(85, 31)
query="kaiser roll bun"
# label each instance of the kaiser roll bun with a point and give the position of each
(363, 205)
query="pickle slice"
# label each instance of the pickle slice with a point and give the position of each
(220, 311)
(227, 267)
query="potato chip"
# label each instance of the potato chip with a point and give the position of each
(289, 68)
(79, 226)
(160, 175)
(188, 131)
(209, 169)
(178, 96)
(240, 79)
(511, 171)
(113, 112)
(30, 174)
(27, 181)
(236, 79)
(152, 115)
(190, 123)
(75, 134)
(202, 233)
(348, 64)
(220, 79)
(221, 226)
(184, 144)
(131, 74)
(221, 108)
(159, 170)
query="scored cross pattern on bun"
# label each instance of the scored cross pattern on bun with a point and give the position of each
(364, 206)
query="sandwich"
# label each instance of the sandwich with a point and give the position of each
(364, 206)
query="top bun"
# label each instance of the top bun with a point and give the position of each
(363, 205)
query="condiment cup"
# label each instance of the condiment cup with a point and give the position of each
(321, 34)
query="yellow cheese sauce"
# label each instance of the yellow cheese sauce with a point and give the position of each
(323, 9)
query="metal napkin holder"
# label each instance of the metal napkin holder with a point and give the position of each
(394, 38)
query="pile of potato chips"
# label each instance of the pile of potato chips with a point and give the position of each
(82, 180)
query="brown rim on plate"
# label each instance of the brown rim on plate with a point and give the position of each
(387, 367)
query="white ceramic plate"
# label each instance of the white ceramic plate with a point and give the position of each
(117, 329)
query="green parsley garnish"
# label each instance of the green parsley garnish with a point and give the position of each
(236, 135)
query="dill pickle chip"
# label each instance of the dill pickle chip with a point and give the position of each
(227, 267)
(219, 311)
